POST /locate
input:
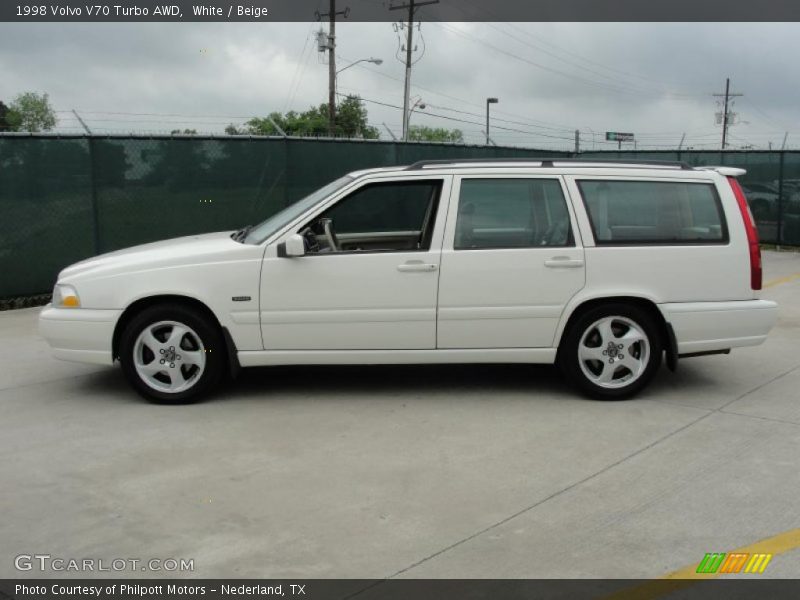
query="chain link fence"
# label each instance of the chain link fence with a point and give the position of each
(66, 198)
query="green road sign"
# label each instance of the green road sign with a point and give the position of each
(616, 136)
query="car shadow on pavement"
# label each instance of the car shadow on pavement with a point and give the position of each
(412, 380)
(355, 381)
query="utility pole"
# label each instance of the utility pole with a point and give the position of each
(331, 14)
(680, 144)
(725, 113)
(411, 6)
(577, 141)
(332, 69)
(785, 137)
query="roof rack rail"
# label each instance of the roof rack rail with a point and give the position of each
(547, 162)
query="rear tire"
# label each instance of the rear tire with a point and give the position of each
(612, 351)
(172, 353)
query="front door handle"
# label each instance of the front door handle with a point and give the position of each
(417, 265)
(564, 262)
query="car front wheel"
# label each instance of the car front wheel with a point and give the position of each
(611, 352)
(172, 354)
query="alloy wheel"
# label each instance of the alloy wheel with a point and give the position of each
(614, 352)
(169, 356)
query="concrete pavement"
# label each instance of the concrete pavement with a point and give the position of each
(429, 471)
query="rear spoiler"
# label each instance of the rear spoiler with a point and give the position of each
(725, 171)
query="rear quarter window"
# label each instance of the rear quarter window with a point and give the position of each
(653, 212)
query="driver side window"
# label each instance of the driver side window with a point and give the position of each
(378, 217)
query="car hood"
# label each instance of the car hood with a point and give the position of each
(168, 253)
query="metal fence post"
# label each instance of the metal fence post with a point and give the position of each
(779, 236)
(93, 188)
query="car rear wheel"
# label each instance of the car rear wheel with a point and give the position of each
(172, 354)
(611, 352)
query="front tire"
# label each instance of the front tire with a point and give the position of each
(172, 353)
(611, 352)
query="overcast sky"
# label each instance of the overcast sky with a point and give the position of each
(654, 80)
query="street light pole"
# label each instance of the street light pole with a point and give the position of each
(488, 102)
(374, 61)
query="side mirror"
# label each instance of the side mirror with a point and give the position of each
(295, 245)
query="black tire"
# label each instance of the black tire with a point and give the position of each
(209, 335)
(570, 364)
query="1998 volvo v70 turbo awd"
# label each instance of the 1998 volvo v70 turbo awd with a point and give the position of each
(600, 267)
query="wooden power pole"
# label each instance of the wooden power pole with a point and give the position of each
(725, 111)
(331, 14)
(411, 7)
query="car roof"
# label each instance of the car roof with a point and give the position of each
(444, 166)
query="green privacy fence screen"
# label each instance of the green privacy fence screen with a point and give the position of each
(65, 198)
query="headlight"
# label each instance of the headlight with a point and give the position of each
(65, 296)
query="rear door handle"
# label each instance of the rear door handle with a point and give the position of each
(564, 262)
(416, 265)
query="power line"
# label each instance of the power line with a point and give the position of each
(378, 102)
(559, 49)
(623, 90)
(559, 56)
(767, 118)
(656, 139)
(299, 70)
(529, 122)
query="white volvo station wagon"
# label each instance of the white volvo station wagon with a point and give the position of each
(600, 267)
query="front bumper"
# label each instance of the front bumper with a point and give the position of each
(79, 334)
(709, 326)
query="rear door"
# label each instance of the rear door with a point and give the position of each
(665, 238)
(510, 263)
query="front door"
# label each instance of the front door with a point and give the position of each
(369, 278)
(510, 263)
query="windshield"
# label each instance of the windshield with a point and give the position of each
(280, 219)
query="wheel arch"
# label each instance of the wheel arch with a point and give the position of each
(141, 304)
(642, 302)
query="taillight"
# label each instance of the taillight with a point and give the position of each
(752, 234)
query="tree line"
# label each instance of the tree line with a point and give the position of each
(31, 111)
(350, 121)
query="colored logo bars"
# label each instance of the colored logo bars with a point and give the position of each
(735, 562)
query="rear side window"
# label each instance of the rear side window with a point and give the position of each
(654, 212)
(511, 213)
